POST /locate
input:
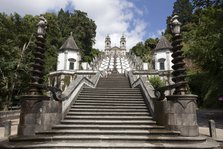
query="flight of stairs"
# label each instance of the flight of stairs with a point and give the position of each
(112, 115)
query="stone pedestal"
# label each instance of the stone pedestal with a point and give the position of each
(38, 113)
(178, 113)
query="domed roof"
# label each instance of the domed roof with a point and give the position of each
(70, 44)
(163, 44)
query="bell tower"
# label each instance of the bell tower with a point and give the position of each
(123, 42)
(107, 42)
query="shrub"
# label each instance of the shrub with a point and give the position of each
(156, 82)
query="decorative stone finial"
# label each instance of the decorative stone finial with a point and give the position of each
(38, 64)
(41, 27)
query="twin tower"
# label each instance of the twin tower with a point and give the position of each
(108, 43)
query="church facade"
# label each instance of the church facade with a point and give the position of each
(120, 51)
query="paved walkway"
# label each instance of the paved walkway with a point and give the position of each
(203, 116)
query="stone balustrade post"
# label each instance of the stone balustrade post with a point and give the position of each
(38, 112)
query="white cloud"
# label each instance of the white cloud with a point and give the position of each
(160, 31)
(156, 34)
(113, 17)
(34, 7)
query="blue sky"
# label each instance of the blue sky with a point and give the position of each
(136, 19)
(155, 13)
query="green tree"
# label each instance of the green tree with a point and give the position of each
(17, 42)
(144, 50)
(184, 9)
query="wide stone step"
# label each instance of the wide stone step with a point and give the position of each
(113, 99)
(109, 131)
(109, 113)
(110, 93)
(110, 101)
(114, 82)
(110, 122)
(115, 78)
(109, 97)
(112, 137)
(110, 104)
(109, 107)
(108, 110)
(114, 89)
(113, 86)
(118, 82)
(109, 117)
(108, 144)
(87, 126)
(102, 90)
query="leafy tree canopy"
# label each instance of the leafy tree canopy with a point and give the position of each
(17, 42)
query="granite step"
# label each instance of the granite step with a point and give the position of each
(109, 117)
(108, 110)
(119, 90)
(109, 106)
(109, 126)
(109, 113)
(126, 138)
(113, 99)
(108, 131)
(110, 122)
(108, 144)
(113, 96)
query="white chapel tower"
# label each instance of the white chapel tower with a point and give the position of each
(69, 55)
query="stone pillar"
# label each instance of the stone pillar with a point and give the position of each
(38, 112)
(181, 114)
(180, 108)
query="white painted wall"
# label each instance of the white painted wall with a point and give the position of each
(166, 54)
(145, 66)
(62, 60)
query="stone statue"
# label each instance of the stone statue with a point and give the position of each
(41, 27)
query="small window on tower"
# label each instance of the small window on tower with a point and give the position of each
(123, 43)
(107, 43)
(72, 61)
(71, 67)
(162, 63)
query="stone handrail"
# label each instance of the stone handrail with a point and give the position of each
(147, 89)
(73, 90)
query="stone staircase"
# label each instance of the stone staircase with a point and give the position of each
(112, 115)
